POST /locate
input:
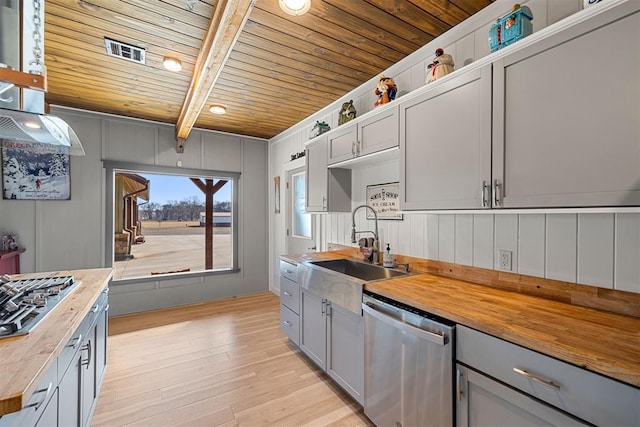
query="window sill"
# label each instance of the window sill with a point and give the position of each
(173, 276)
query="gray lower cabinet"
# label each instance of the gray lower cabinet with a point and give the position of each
(532, 386)
(290, 302)
(445, 144)
(561, 137)
(482, 401)
(333, 338)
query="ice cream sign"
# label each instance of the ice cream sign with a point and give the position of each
(385, 200)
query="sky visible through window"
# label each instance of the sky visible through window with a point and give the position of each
(166, 188)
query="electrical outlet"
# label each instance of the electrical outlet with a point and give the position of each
(505, 260)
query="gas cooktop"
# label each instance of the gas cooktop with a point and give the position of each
(24, 303)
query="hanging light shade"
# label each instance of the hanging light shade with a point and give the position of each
(295, 7)
(172, 64)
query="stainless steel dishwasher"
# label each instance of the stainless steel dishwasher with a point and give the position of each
(408, 371)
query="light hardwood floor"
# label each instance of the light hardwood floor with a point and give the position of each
(222, 363)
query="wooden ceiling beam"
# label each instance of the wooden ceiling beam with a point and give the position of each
(226, 24)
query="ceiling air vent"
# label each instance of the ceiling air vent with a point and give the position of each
(124, 51)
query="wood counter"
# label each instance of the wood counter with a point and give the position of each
(24, 359)
(597, 340)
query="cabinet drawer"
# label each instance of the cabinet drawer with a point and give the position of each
(36, 404)
(587, 395)
(290, 294)
(289, 271)
(290, 324)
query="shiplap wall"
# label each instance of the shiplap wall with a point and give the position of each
(601, 249)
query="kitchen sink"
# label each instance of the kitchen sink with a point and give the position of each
(360, 270)
(341, 280)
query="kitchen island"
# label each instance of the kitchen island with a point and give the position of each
(27, 359)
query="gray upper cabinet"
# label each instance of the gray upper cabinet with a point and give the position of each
(445, 148)
(367, 136)
(328, 190)
(562, 136)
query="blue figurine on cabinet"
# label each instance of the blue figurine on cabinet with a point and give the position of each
(510, 28)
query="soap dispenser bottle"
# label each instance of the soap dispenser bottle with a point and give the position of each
(387, 261)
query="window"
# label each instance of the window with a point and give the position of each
(301, 220)
(167, 223)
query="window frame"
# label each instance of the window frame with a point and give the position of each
(110, 169)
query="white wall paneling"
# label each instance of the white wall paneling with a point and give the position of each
(446, 238)
(627, 252)
(506, 238)
(464, 239)
(595, 249)
(531, 245)
(561, 251)
(483, 237)
(433, 236)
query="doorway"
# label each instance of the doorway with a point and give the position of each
(299, 223)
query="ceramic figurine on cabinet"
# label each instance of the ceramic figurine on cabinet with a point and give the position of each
(440, 67)
(386, 90)
(347, 112)
(511, 28)
(318, 129)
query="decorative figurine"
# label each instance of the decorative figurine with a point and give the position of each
(318, 129)
(440, 67)
(347, 112)
(511, 28)
(386, 90)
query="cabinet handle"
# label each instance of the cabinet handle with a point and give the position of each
(46, 392)
(286, 322)
(106, 307)
(323, 308)
(497, 193)
(327, 308)
(459, 391)
(324, 202)
(536, 378)
(357, 148)
(95, 309)
(287, 293)
(287, 271)
(88, 361)
(483, 193)
(77, 340)
(106, 291)
(353, 148)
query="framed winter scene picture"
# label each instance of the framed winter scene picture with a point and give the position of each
(35, 171)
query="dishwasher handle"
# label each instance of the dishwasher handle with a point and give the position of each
(439, 339)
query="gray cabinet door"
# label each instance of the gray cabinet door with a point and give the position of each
(69, 407)
(345, 350)
(313, 330)
(445, 144)
(342, 143)
(101, 346)
(481, 401)
(316, 164)
(49, 417)
(563, 136)
(88, 375)
(378, 132)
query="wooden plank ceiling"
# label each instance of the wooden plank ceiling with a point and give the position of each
(282, 68)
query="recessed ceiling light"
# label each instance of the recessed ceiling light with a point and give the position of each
(172, 64)
(218, 109)
(295, 7)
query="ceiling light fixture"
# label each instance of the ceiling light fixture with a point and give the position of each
(295, 7)
(172, 64)
(218, 109)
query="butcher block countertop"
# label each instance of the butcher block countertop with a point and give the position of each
(24, 359)
(597, 340)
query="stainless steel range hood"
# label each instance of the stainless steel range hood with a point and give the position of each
(39, 128)
(21, 107)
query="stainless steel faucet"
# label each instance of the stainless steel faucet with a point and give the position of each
(376, 243)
